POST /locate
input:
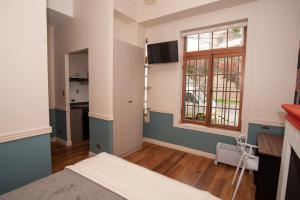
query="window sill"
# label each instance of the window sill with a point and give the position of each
(205, 129)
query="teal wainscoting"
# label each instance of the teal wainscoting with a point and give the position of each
(101, 135)
(161, 128)
(253, 129)
(60, 124)
(52, 122)
(24, 161)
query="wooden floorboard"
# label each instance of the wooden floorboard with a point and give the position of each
(63, 156)
(197, 171)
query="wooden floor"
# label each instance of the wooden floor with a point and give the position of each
(197, 171)
(63, 156)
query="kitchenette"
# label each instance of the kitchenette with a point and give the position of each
(79, 96)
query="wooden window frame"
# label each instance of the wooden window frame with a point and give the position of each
(210, 54)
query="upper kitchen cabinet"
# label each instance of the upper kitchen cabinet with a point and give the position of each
(79, 65)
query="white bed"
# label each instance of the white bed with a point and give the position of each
(134, 182)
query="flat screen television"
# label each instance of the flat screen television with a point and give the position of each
(164, 52)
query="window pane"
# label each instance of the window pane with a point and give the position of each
(205, 41)
(232, 82)
(196, 89)
(202, 66)
(235, 100)
(226, 90)
(220, 39)
(220, 65)
(192, 43)
(235, 37)
(191, 67)
(225, 112)
(235, 65)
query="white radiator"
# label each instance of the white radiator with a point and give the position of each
(230, 154)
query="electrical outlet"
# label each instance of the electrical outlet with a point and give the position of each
(265, 127)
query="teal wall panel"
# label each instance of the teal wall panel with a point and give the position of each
(24, 161)
(52, 122)
(60, 124)
(253, 129)
(161, 128)
(101, 135)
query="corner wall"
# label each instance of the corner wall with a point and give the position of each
(271, 58)
(91, 28)
(24, 117)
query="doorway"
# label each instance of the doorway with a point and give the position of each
(77, 96)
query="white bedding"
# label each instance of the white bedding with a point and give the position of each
(134, 182)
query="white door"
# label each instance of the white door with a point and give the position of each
(137, 97)
(128, 97)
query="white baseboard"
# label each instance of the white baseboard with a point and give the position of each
(91, 154)
(60, 141)
(132, 151)
(180, 148)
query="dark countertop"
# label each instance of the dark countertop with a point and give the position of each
(270, 144)
(78, 105)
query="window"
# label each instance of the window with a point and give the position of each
(213, 72)
(146, 87)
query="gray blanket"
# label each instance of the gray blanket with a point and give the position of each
(65, 185)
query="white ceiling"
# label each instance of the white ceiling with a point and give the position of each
(196, 10)
(168, 10)
(55, 18)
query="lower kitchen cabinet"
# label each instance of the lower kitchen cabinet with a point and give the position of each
(76, 125)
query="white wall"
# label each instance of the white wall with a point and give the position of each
(23, 77)
(62, 6)
(51, 86)
(128, 31)
(92, 29)
(275, 47)
(127, 7)
(273, 39)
